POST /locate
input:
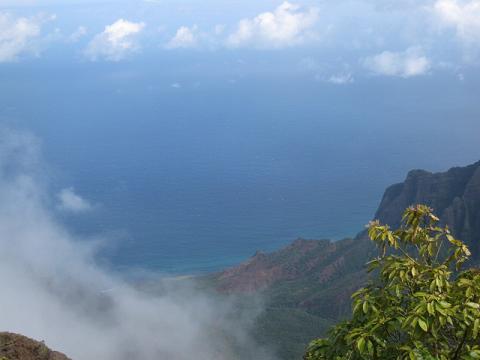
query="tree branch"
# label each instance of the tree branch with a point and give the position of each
(459, 347)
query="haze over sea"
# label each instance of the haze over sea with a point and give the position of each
(195, 155)
(200, 176)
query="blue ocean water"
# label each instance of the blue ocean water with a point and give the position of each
(196, 170)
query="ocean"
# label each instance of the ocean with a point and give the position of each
(196, 171)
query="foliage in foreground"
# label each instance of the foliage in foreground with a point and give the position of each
(418, 305)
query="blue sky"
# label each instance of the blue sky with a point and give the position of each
(337, 42)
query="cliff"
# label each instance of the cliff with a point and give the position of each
(18, 347)
(454, 195)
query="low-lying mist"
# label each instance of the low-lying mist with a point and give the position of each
(53, 290)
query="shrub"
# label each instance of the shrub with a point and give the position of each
(418, 303)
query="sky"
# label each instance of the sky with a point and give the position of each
(337, 42)
(143, 102)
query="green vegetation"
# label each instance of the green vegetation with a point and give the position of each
(311, 292)
(287, 331)
(418, 304)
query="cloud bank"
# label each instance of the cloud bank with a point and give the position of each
(55, 292)
(359, 33)
(17, 35)
(286, 26)
(116, 42)
(464, 17)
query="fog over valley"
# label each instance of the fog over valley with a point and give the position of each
(54, 291)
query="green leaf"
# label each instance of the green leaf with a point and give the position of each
(469, 292)
(476, 324)
(370, 347)
(473, 305)
(365, 307)
(423, 325)
(445, 304)
(475, 354)
(430, 309)
(361, 345)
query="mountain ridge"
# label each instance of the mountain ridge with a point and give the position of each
(454, 196)
(317, 277)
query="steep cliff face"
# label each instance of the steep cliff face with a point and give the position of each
(454, 195)
(18, 347)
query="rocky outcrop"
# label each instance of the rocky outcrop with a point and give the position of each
(454, 196)
(18, 347)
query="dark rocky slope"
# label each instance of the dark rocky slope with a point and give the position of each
(454, 195)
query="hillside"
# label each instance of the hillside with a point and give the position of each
(313, 279)
(306, 287)
(18, 347)
(314, 275)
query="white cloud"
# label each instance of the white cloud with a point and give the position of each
(403, 64)
(78, 34)
(337, 74)
(463, 16)
(116, 42)
(17, 35)
(286, 26)
(71, 202)
(185, 37)
(341, 79)
(194, 38)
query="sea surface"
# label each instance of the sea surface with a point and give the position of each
(196, 171)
